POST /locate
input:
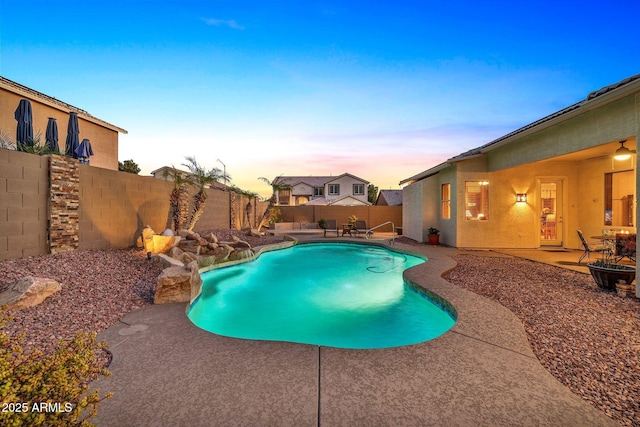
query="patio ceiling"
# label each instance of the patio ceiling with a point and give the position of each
(604, 150)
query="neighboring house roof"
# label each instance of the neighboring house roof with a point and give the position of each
(313, 181)
(21, 90)
(391, 197)
(595, 99)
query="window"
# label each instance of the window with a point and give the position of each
(476, 200)
(358, 189)
(334, 189)
(318, 191)
(284, 196)
(619, 194)
(445, 201)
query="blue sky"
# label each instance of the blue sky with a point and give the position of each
(382, 90)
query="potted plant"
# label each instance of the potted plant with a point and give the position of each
(322, 223)
(606, 274)
(434, 236)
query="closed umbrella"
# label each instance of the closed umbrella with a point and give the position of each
(52, 135)
(24, 133)
(73, 138)
(84, 151)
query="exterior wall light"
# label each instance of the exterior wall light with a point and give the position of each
(521, 197)
(623, 153)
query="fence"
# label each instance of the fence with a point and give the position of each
(374, 215)
(52, 204)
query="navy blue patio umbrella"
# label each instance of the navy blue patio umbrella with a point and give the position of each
(52, 135)
(24, 132)
(84, 151)
(73, 138)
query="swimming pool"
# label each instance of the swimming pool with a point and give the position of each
(331, 294)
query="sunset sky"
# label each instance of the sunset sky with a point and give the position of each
(382, 90)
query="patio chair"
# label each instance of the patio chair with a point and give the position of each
(360, 227)
(625, 247)
(331, 227)
(588, 248)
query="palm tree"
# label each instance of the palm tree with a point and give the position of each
(276, 187)
(179, 199)
(201, 178)
(249, 195)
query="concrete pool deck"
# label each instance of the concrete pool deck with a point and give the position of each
(166, 371)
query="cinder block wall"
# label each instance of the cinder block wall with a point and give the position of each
(116, 206)
(374, 215)
(24, 189)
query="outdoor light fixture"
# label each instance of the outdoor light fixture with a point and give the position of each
(623, 153)
(521, 197)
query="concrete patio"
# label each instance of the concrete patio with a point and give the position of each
(166, 371)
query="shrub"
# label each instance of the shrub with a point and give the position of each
(49, 389)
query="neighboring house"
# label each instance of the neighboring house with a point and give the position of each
(389, 198)
(165, 172)
(343, 190)
(102, 135)
(537, 185)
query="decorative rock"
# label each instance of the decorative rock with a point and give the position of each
(175, 252)
(162, 244)
(28, 291)
(206, 261)
(166, 261)
(241, 244)
(196, 280)
(222, 253)
(241, 254)
(167, 232)
(212, 245)
(187, 257)
(147, 239)
(255, 233)
(175, 284)
(212, 238)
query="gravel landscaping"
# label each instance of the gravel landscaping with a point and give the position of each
(587, 338)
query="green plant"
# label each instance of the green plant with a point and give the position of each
(433, 230)
(352, 220)
(49, 389)
(610, 265)
(6, 141)
(275, 215)
(129, 166)
(322, 223)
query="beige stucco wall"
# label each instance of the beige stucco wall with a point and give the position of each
(104, 141)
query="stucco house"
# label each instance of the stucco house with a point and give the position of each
(536, 186)
(341, 190)
(102, 135)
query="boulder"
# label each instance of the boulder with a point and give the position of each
(166, 261)
(163, 244)
(206, 261)
(167, 232)
(175, 284)
(187, 257)
(255, 233)
(212, 238)
(28, 291)
(222, 253)
(241, 254)
(241, 244)
(175, 252)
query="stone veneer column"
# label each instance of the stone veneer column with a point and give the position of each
(64, 194)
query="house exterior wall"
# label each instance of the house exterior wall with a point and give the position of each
(346, 188)
(104, 141)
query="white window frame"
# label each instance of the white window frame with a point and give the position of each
(356, 193)
(334, 189)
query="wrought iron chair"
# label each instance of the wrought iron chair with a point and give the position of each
(625, 247)
(588, 248)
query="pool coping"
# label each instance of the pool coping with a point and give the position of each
(481, 372)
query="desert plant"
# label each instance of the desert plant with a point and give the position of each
(179, 199)
(276, 186)
(6, 141)
(352, 220)
(202, 179)
(433, 230)
(129, 166)
(322, 223)
(49, 389)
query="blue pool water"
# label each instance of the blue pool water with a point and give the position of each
(338, 295)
